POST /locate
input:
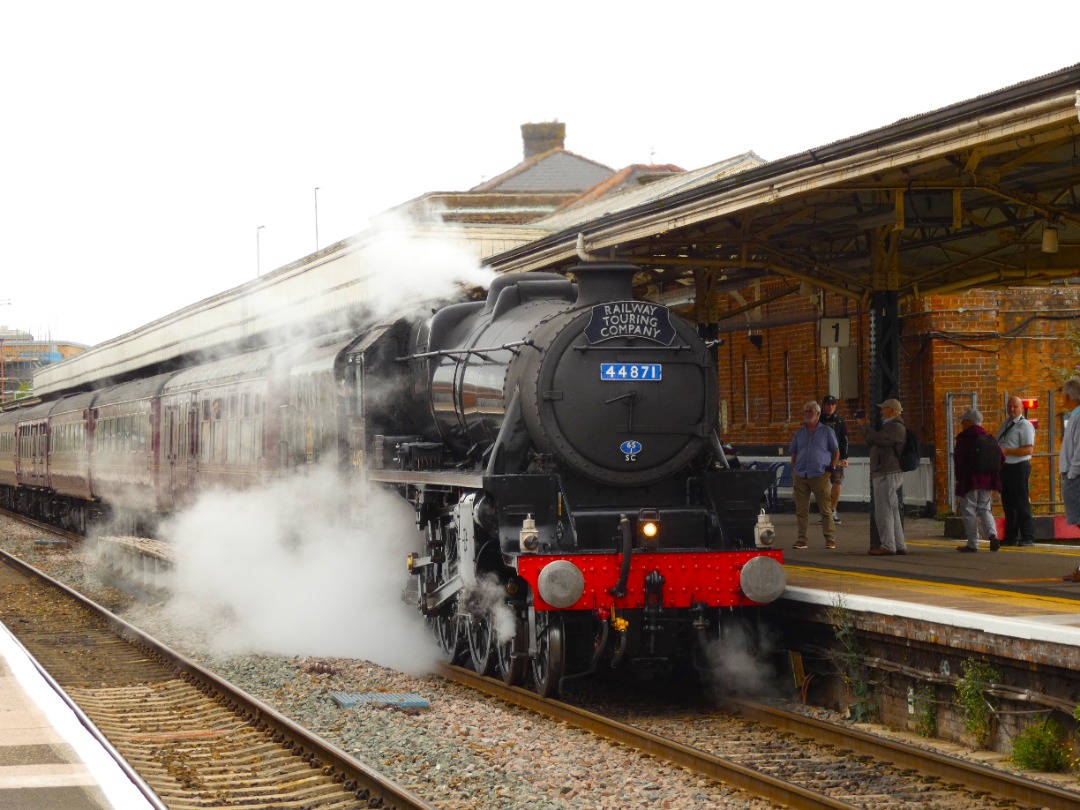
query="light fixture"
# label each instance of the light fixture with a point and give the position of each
(1049, 239)
(649, 528)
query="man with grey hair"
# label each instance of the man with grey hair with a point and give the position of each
(814, 455)
(1017, 439)
(975, 489)
(886, 477)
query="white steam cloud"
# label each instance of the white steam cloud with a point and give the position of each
(413, 263)
(736, 669)
(282, 570)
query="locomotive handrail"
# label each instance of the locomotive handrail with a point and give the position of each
(511, 347)
(589, 347)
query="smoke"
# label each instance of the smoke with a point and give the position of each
(487, 598)
(413, 264)
(283, 570)
(737, 667)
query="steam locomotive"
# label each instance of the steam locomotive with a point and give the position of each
(557, 442)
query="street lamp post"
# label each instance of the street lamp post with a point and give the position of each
(258, 256)
(3, 360)
(316, 219)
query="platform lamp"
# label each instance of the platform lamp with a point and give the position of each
(258, 252)
(1030, 403)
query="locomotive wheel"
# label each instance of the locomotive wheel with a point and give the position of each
(482, 644)
(512, 659)
(550, 661)
(446, 627)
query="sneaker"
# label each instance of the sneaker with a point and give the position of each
(830, 545)
(967, 549)
(835, 517)
(799, 544)
(1007, 543)
(1026, 543)
(994, 544)
(881, 552)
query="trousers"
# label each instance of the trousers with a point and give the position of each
(1016, 502)
(890, 527)
(975, 510)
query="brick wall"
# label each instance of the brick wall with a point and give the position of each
(990, 342)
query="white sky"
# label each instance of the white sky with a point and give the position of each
(144, 142)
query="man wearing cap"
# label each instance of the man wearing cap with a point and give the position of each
(974, 489)
(814, 455)
(830, 417)
(1017, 439)
(886, 477)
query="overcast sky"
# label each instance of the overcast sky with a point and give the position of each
(144, 143)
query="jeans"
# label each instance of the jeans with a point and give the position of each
(1070, 493)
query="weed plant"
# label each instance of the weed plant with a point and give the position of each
(1043, 746)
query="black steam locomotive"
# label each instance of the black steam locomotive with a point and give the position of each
(557, 442)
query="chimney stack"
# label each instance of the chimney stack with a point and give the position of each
(540, 138)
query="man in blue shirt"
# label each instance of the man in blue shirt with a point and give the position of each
(815, 453)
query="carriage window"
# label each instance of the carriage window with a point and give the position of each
(232, 448)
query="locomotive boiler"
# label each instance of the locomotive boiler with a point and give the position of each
(565, 459)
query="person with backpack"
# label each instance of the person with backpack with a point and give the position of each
(886, 475)
(830, 417)
(1017, 439)
(977, 461)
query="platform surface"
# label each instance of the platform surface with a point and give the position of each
(1016, 591)
(48, 759)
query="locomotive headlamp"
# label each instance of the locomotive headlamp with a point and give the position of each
(649, 528)
(530, 537)
(764, 531)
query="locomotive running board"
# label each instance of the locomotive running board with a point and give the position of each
(448, 478)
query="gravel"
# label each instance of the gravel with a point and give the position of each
(465, 751)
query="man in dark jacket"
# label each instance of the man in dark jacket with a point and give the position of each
(830, 417)
(974, 489)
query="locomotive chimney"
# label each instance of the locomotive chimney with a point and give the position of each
(604, 281)
(540, 138)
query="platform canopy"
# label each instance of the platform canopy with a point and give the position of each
(982, 193)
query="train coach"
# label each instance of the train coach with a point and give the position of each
(557, 442)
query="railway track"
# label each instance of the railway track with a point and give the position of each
(794, 760)
(192, 739)
(791, 759)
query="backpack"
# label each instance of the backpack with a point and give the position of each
(987, 454)
(909, 455)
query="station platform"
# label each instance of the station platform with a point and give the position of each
(48, 758)
(1016, 592)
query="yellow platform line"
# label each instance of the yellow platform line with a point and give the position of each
(903, 583)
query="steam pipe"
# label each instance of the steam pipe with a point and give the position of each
(619, 590)
(580, 247)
